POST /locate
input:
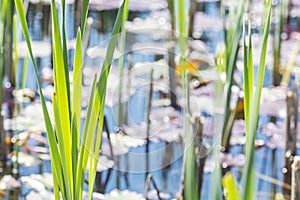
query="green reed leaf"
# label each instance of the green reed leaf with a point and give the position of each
(3, 9)
(24, 73)
(84, 14)
(60, 141)
(232, 45)
(54, 152)
(65, 52)
(77, 82)
(61, 89)
(231, 191)
(121, 63)
(88, 132)
(87, 149)
(253, 110)
(15, 49)
(277, 42)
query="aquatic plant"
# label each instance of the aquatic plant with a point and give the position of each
(231, 40)
(6, 61)
(190, 174)
(2, 20)
(277, 41)
(121, 64)
(291, 63)
(226, 63)
(251, 103)
(69, 153)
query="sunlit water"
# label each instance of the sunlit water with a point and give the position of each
(167, 179)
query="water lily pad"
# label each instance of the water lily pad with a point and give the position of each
(24, 95)
(48, 91)
(163, 112)
(43, 156)
(97, 51)
(41, 195)
(37, 137)
(134, 5)
(96, 196)
(277, 134)
(26, 159)
(103, 164)
(163, 131)
(126, 141)
(160, 68)
(152, 194)
(38, 182)
(47, 2)
(153, 48)
(204, 22)
(273, 102)
(38, 149)
(31, 119)
(117, 150)
(8, 182)
(112, 87)
(20, 138)
(228, 160)
(238, 128)
(39, 48)
(121, 195)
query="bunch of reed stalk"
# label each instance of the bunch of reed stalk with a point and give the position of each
(252, 97)
(190, 172)
(70, 150)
